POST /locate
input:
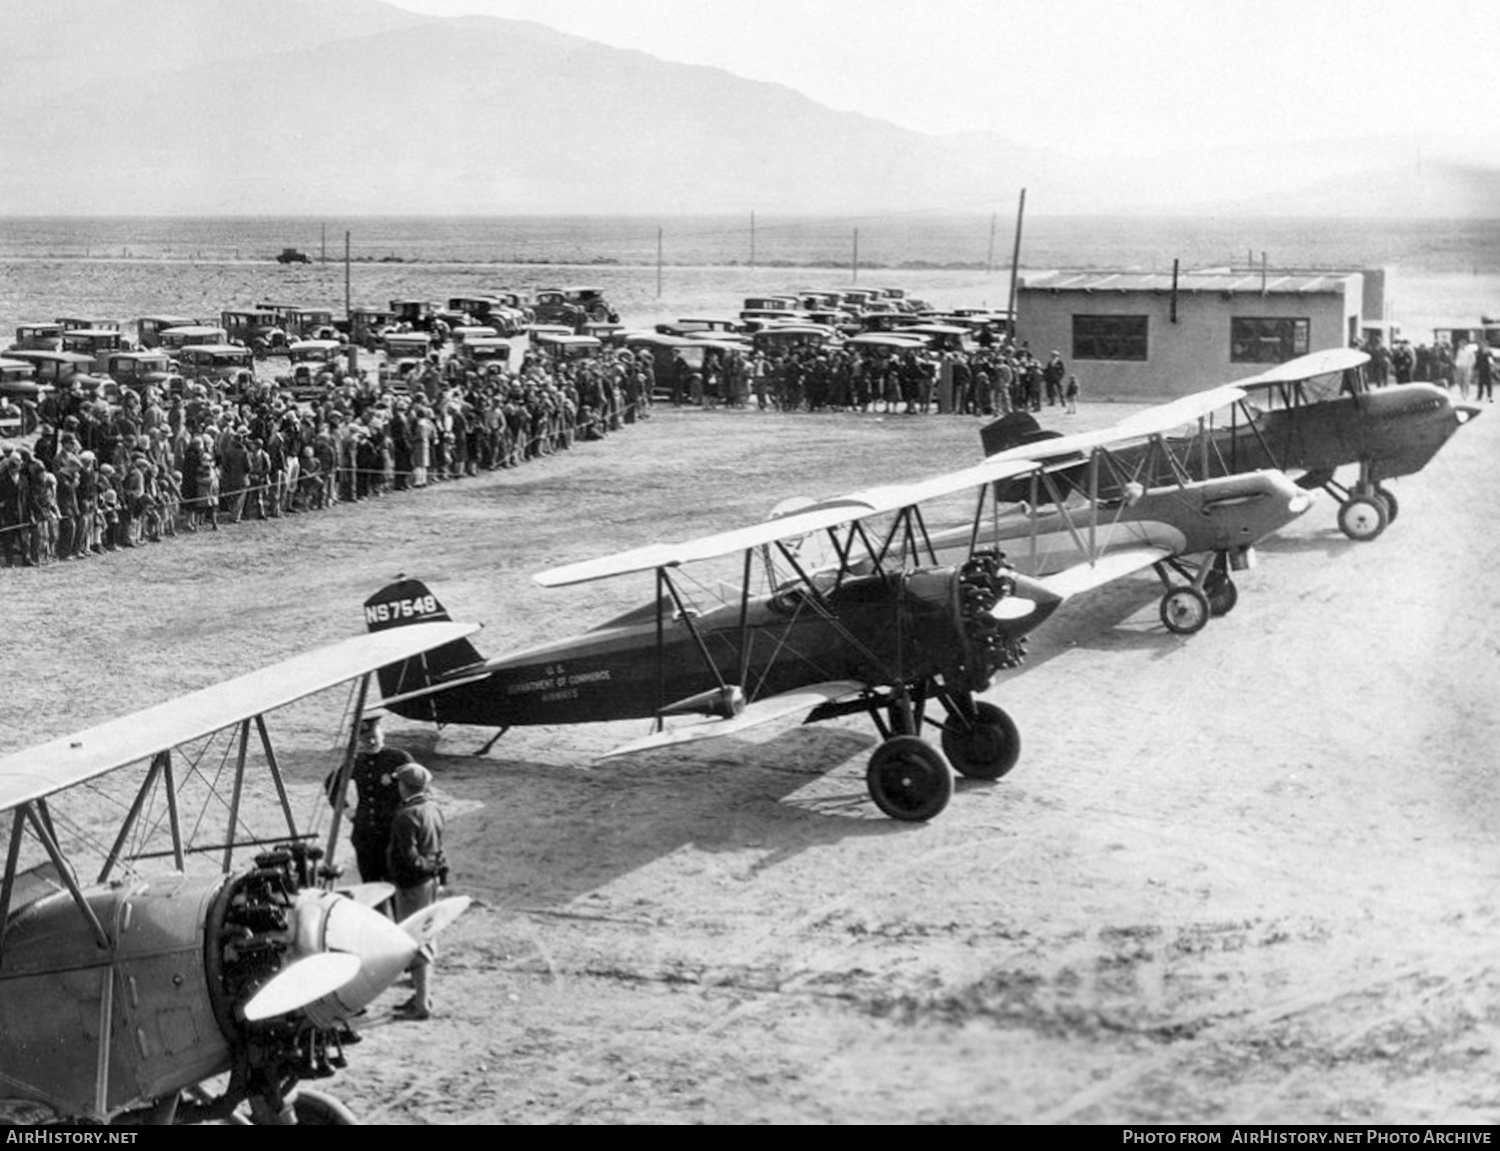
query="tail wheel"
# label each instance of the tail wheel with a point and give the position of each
(908, 779)
(1363, 518)
(1222, 593)
(1185, 610)
(986, 747)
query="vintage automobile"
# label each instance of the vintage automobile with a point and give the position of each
(691, 324)
(215, 361)
(574, 307)
(566, 347)
(174, 339)
(19, 387)
(417, 313)
(466, 332)
(327, 353)
(483, 352)
(76, 323)
(304, 323)
(307, 381)
(135, 369)
(293, 256)
(771, 304)
(366, 326)
(406, 345)
(149, 328)
(257, 328)
(55, 369)
(38, 337)
(92, 342)
(784, 337)
(941, 337)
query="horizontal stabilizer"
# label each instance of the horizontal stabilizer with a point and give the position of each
(1111, 566)
(761, 711)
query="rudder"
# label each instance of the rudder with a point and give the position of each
(400, 604)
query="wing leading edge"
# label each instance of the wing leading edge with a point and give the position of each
(61, 763)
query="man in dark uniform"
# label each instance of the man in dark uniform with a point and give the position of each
(376, 796)
(415, 864)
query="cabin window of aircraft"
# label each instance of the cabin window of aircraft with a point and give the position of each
(1264, 340)
(1109, 337)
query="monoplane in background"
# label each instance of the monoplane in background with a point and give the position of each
(128, 999)
(1310, 417)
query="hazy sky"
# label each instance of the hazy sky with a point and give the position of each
(1087, 76)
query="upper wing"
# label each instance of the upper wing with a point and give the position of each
(1306, 367)
(72, 759)
(812, 518)
(1151, 422)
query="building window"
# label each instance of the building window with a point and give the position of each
(1109, 337)
(1263, 340)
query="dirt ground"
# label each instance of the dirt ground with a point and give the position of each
(1244, 877)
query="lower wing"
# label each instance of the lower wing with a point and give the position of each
(761, 711)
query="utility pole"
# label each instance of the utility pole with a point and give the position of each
(658, 263)
(854, 279)
(1015, 264)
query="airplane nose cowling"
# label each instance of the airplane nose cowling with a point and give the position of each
(383, 950)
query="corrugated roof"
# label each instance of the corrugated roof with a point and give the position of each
(1246, 282)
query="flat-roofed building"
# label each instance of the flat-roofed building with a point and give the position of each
(1147, 335)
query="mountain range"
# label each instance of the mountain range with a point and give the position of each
(286, 107)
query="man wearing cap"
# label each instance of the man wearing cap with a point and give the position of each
(414, 863)
(376, 798)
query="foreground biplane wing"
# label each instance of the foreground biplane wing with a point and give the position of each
(120, 998)
(879, 633)
(1107, 503)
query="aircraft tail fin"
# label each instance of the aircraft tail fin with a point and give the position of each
(408, 688)
(1011, 431)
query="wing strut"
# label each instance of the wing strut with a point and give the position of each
(234, 800)
(346, 769)
(36, 813)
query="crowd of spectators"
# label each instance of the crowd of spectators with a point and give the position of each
(993, 378)
(100, 477)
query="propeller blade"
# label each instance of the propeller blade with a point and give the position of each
(368, 894)
(1013, 607)
(304, 982)
(425, 924)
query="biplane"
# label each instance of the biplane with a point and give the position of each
(884, 618)
(886, 640)
(132, 998)
(1310, 417)
(1096, 509)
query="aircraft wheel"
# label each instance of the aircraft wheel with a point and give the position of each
(314, 1109)
(1362, 518)
(1222, 594)
(1392, 508)
(985, 749)
(1185, 610)
(908, 779)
